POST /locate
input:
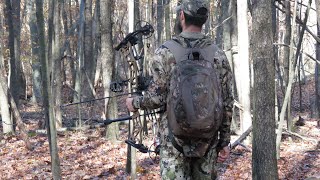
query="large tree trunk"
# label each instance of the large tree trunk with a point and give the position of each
(47, 95)
(264, 162)
(36, 74)
(7, 123)
(13, 73)
(21, 86)
(242, 66)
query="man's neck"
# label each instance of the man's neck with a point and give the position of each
(192, 28)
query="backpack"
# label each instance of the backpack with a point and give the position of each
(194, 102)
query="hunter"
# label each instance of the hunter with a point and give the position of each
(175, 162)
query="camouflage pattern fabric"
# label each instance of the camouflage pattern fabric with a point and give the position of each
(173, 165)
(194, 7)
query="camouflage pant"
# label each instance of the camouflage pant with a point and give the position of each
(175, 166)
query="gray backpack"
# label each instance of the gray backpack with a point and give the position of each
(194, 102)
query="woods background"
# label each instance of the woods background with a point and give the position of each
(56, 53)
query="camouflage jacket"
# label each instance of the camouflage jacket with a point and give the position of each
(161, 67)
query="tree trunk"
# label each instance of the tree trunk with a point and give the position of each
(56, 62)
(13, 73)
(264, 162)
(218, 14)
(36, 75)
(317, 71)
(47, 95)
(287, 40)
(97, 43)
(229, 11)
(167, 20)
(160, 20)
(275, 29)
(7, 123)
(242, 66)
(207, 26)
(80, 63)
(131, 152)
(89, 61)
(235, 57)
(21, 86)
(108, 64)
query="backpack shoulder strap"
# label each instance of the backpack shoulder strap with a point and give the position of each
(179, 52)
(209, 52)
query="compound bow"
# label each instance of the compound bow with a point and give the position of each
(136, 84)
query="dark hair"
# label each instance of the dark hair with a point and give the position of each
(192, 20)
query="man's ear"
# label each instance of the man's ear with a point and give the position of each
(182, 16)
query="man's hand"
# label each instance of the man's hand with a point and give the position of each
(223, 154)
(130, 105)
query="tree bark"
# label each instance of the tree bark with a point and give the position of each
(89, 61)
(287, 40)
(229, 33)
(80, 61)
(207, 26)
(317, 70)
(218, 14)
(56, 62)
(47, 95)
(108, 65)
(97, 43)
(167, 20)
(160, 20)
(21, 86)
(13, 73)
(242, 66)
(7, 123)
(131, 165)
(264, 162)
(235, 57)
(36, 74)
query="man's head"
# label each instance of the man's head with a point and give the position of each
(192, 12)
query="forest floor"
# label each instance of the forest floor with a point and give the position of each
(89, 155)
